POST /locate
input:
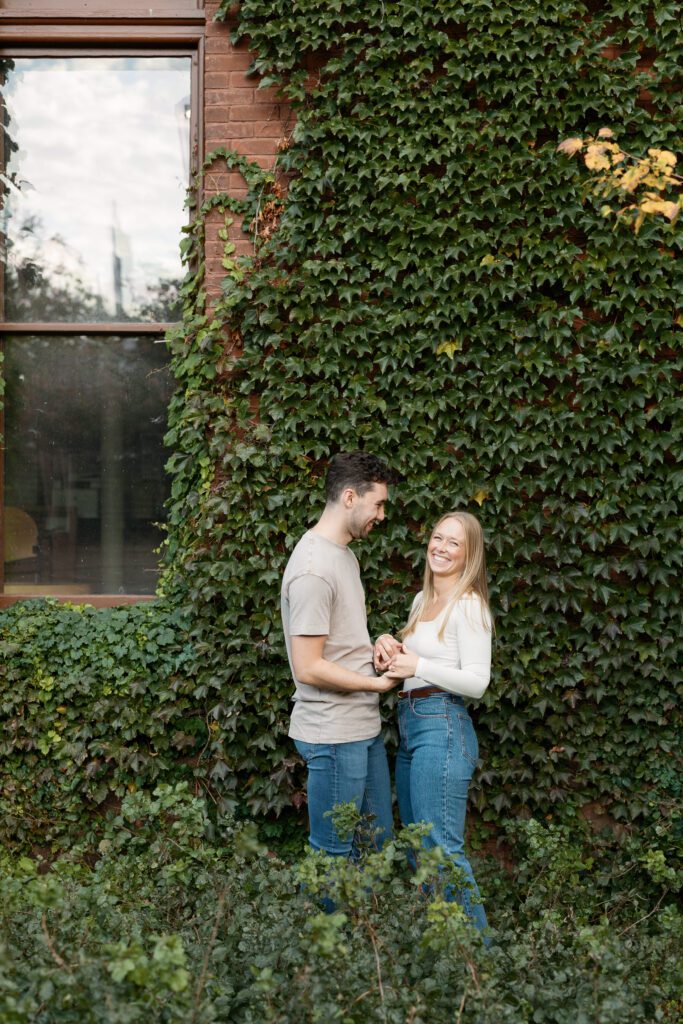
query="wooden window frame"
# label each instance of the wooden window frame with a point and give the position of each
(87, 28)
(44, 12)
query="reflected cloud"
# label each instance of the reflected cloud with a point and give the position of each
(101, 166)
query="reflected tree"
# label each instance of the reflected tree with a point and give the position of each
(34, 291)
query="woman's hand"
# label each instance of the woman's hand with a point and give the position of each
(403, 664)
(385, 648)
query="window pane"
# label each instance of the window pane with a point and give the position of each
(84, 463)
(96, 166)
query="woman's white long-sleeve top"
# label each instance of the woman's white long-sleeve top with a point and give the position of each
(461, 662)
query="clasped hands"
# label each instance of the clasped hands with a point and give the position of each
(393, 659)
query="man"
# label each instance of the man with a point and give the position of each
(335, 722)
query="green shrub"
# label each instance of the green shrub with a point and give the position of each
(177, 922)
(94, 705)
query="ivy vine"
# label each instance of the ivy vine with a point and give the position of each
(439, 287)
(441, 290)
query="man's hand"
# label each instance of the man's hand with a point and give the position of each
(386, 646)
(403, 664)
(312, 668)
(382, 684)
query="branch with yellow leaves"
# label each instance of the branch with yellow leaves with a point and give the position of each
(646, 181)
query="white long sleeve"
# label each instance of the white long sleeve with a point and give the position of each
(461, 663)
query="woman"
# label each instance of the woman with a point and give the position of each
(444, 656)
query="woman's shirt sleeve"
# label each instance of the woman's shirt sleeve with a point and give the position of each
(472, 676)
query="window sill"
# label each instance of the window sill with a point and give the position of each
(96, 600)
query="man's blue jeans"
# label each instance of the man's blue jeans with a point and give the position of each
(436, 759)
(355, 772)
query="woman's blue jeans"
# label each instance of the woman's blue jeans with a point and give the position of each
(436, 759)
(355, 772)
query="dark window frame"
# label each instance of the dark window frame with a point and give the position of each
(87, 28)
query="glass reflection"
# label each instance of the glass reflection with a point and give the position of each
(84, 463)
(96, 164)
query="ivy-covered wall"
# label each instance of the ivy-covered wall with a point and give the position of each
(437, 287)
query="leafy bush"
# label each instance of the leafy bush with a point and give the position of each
(179, 922)
(93, 705)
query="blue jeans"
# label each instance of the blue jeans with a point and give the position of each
(436, 759)
(355, 772)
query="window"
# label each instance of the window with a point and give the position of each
(96, 157)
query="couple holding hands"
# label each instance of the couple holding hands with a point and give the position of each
(442, 655)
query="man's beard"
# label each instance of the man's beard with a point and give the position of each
(361, 528)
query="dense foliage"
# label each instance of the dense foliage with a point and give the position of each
(178, 923)
(435, 287)
(94, 705)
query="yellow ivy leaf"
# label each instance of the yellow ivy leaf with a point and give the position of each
(480, 497)
(634, 176)
(570, 146)
(605, 133)
(666, 208)
(487, 260)
(595, 158)
(663, 158)
(449, 348)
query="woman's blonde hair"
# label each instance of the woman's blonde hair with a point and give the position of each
(472, 580)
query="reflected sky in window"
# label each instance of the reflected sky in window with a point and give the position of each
(97, 165)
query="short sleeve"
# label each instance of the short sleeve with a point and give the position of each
(310, 606)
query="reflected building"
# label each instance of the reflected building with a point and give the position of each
(121, 266)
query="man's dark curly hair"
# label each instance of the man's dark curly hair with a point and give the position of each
(355, 469)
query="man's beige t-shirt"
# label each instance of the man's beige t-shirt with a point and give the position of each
(322, 595)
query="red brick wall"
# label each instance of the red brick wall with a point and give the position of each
(239, 116)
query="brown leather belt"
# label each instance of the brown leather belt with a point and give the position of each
(424, 691)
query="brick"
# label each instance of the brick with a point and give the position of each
(214, 27)
(219, 112)
(216, 80)
(217, 181)
(224, 181)
(266, 162)
(238, 80)
(269, 95)
(223, 134)
(228, 96)
(267, 129)
(220, 43)
(255, 112)
(214, 250)
(215, 135)
(256, 147)
(244, 130)
(227, 62)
